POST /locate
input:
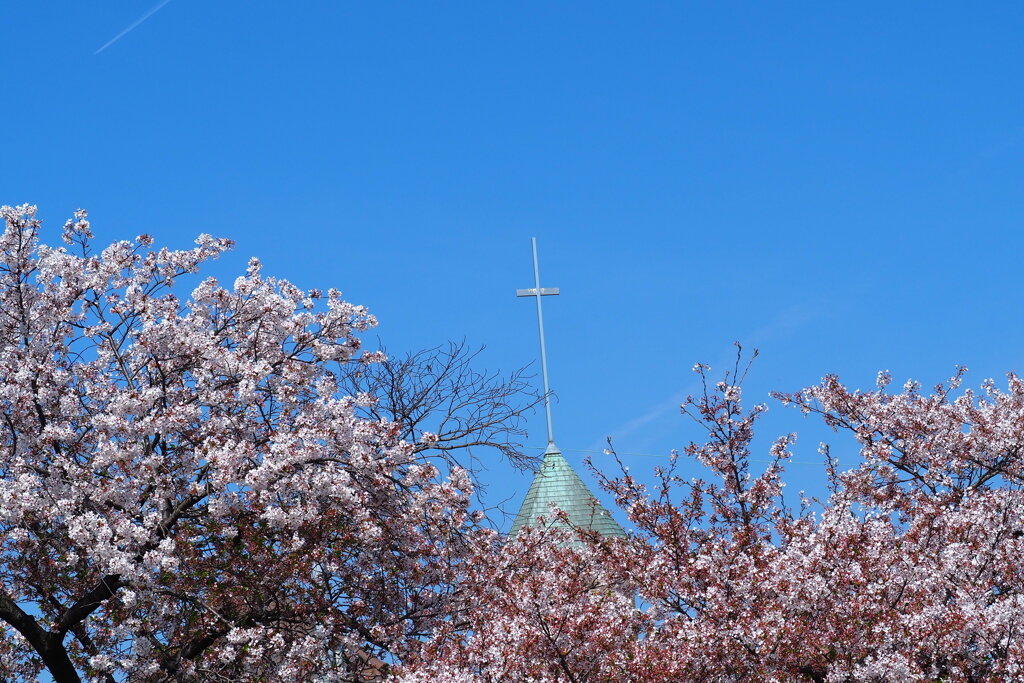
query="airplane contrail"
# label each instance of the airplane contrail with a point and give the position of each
(153, 10)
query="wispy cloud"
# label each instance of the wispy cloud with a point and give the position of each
(669, 406)
(655, 417)
(134, 25)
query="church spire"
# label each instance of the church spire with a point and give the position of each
(556, 481)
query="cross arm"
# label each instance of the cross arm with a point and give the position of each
(544, 291)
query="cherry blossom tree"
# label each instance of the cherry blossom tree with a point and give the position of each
(539, 607)
(187, 492)
(909, 570)
(226, 488)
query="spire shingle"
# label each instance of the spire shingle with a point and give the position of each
(557, 482)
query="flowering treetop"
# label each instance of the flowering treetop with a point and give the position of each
(909, 571)
(184, 492)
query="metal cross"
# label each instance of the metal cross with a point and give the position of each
(537, 292)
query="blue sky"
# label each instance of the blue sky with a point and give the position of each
(839, 186)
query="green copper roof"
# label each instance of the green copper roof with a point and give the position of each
(556, 482)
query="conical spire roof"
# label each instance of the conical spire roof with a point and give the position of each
(557, 482)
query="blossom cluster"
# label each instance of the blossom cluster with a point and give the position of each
(185, 494)
(909, 571)
(188, 492)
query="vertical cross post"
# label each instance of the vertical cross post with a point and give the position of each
(537, 292)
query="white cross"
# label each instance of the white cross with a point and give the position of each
(537, 292)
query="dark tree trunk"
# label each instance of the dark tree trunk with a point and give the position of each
(49, 646)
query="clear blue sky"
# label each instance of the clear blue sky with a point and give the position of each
(840, 186)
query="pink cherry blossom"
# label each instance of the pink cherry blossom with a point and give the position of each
(909, 571)
(185, 494)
